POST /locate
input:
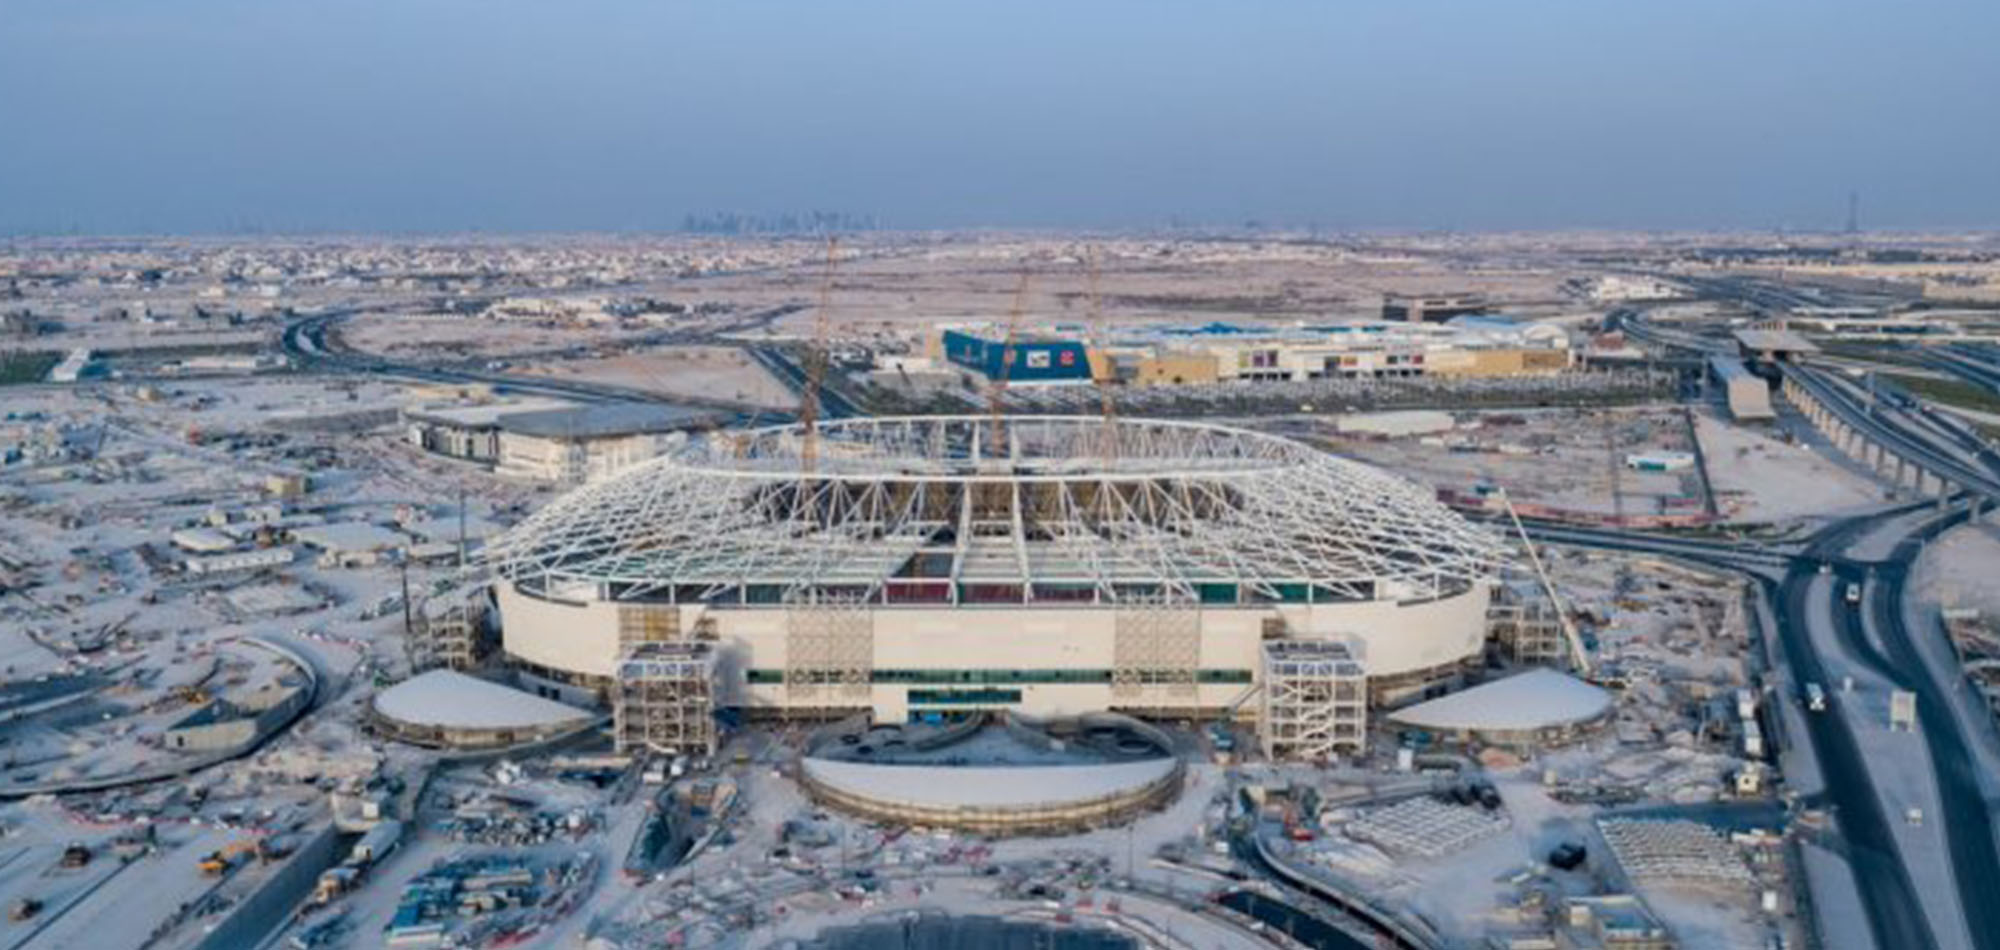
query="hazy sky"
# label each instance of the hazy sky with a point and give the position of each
(205, 115)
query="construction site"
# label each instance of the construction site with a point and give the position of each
(472, 650)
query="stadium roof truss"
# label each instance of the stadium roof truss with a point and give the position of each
(1082, 511)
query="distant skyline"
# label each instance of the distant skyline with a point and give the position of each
(205, 116)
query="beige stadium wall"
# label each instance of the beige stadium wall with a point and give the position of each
(1389, 638)
(579, 638)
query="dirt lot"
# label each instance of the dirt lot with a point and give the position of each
(877, 293)
(714, 371)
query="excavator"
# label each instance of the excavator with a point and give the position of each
(218, 862)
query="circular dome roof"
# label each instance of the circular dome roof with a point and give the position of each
(1048, 509)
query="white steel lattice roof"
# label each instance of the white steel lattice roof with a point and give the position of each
(1068, 509)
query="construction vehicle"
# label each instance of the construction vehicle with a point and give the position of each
(218, 862)
(334, 882)
(377, 843)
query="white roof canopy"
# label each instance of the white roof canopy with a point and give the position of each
(1537, 699)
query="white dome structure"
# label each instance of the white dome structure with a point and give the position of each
(1170, 503)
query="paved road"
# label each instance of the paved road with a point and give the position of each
(1907, 430)
(1888, 894)
(1947, 446)
(312, 343)
(832, 404)
(1887, 889)
(1968, 816)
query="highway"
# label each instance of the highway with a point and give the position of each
(1790, 583)
(1909, 431)
(1977, 364)
(1745, 557)
(1884, 882)
(313, 343)
(1946, 447)
(1968, 814)
(1632, 322)
(832, 403)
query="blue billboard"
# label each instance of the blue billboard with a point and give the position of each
(1034, 360)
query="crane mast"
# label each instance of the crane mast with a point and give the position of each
(1570, 635)
(1101, 378)
(996, 390)
(815, 368)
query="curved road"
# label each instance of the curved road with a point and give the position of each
(311, 344)
(1888, 891)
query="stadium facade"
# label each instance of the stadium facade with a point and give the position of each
(1056, 566)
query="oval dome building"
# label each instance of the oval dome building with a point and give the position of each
(1055, 566)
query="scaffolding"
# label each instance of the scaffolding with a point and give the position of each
(1527, 629)
(1315, 701)
(664, 699)
(1156, 651)
(829, 651)
(449, 631)
(647, 623)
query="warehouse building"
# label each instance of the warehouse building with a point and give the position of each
(1749, 396)
(1399, 308)
(233, 562)
(352, 543)
(1220, 352)
(468, 432)
(552, 441)
(1033, 358)
(1466, 347)
(582, 444)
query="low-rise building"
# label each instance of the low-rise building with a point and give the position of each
(230, 724)
(74, 365)
(1659, 461)
(1614, 922)
(1749, 396)
(470, 431)
(202, 540)
(1466, 347)
(578, 445)
(210, 565)
(1434, 308)
(550, 440)
(351, 543)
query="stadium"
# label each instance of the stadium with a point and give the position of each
(1043, 566)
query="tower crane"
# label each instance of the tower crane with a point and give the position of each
(1570, 635)
(996, 390)
(1095, 353)
(815, 369)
